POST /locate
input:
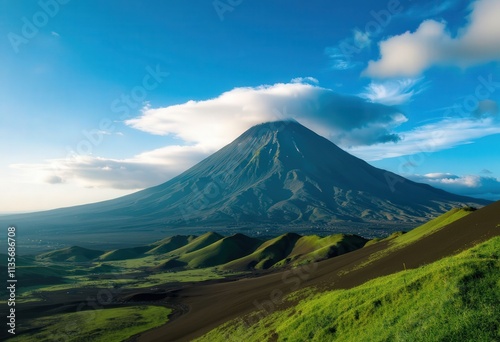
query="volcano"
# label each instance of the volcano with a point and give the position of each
(278, 173)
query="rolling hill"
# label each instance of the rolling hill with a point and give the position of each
(237, 252)
(277, 173)
(70, 254)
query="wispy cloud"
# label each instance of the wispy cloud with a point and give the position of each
(468, 185)
(393, 92)
(310, 80)
(340, 60)
(409, 54)
(430, 9)
(430, 138)
(141, 171)
(342, 55)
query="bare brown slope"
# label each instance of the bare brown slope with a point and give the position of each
(214, 304)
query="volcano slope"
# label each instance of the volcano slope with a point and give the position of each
(212, 305)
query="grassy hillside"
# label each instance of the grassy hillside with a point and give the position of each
(315, 248)
(125, 253)
(169, 244)
(454, 299)
(70, 254)
(198, 243)
(221, 251)
(293, 249)
(400, 239)
(268, 254)
(94, 325)
(431, 226)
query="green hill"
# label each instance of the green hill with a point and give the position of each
(454, 299)
(70, 254)
(294, 249)
(267, 255)
(399, 240)
(169, 244)
(197, 243)
(170, 264)
(315, 248)
(125, 253)
(221, 251)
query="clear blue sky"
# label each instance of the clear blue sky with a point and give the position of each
(102, 98)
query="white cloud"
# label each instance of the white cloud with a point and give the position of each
(362, 39)
(141, 171)
(310, 80)
(347, 120)
(409, 54)
(430, 138)
(394, 92)
(339, 59)
(428, 9)
(342, 55)
(468, 185)
(53, 179)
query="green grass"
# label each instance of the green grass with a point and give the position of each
(268, 254)
(220, 252)
(399, 239)
(182, 277)
(170, 244)
(454, 299)
(104, 325)
(125, 253)
(71, 254)
(431, 227)
(313, 248)
(198, 243)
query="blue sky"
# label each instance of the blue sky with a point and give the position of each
(100, 99)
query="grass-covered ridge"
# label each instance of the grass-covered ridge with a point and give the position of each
(400, 239)
(454, 299)
(103, 325)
